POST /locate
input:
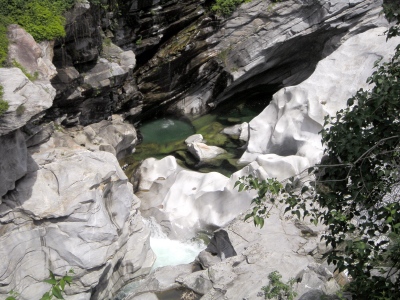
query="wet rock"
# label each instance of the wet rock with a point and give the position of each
(204, 152)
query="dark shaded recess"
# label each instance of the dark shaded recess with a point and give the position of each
(101, 286)
(145, 19)
(221, 245)
(82, 42)
(288, 63)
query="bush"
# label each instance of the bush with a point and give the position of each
(3, 104)
(3, 40)
(276, 289)
(226, 7)
(42, 22)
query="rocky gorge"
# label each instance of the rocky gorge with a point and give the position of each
(67, 203)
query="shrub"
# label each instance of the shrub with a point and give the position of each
(42, 22)
(226, 7)
(25, 71)
(3, 40)
(276, 289)
(3, 104)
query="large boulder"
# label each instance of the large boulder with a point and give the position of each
(36, 59)
(74, 209)
(184, 201)
(26, 99)
(284, 138)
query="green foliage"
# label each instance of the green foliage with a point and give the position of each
(266, 190)
(226, 7)
(3, 104)
(3, 40)
(276, 289)
(391, 9)
(56, 290)
(25, 71)
(139, 40)
(42, 22)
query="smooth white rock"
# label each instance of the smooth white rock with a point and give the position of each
(289, 126)
(184, 201)
(203, 152)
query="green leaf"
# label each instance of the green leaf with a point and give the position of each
(248, 216)
(57, 292)
(46, 296)
(62, 284)
(51, 281)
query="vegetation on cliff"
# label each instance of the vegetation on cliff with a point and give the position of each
(43, 19)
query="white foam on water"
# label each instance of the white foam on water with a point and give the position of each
(171, 252)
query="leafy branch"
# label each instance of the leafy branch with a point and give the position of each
(56, 290)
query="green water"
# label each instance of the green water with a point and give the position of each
(165, 130)
(166, 136)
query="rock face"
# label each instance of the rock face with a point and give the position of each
(261, 47)
(74, 209)
(114, 136)
(145, 25)
(35, 58)
(281, 245)
(284, 138)
(94, 75)
(27, 101)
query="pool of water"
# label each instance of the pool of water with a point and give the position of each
(165, 130)
(166, 136)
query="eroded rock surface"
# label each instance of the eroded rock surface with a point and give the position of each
(74, 209)
(113, 136)
(184, 201)
(261, 47)
(284, 138)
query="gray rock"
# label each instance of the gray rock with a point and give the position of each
(76, 210)
(162, 279)
(195, 138)
(113, 136)
(35, 58)
(261, 46)
(203, 152)
(14, 160)
(38, 134)
(26, 99)
(198, 282)
(220, 245)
